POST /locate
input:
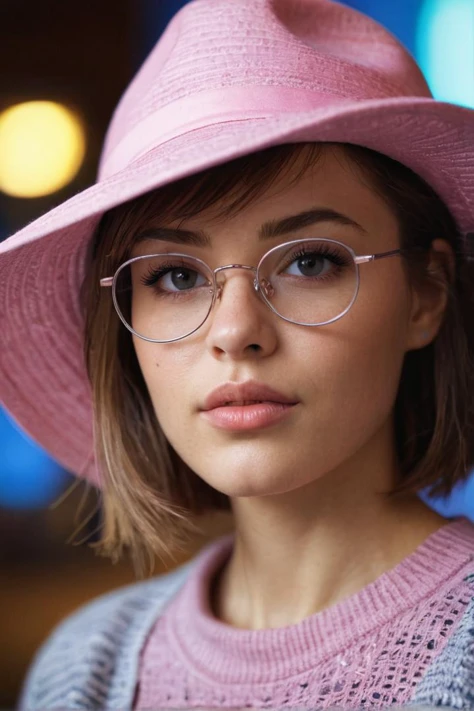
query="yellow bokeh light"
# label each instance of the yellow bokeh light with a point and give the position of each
(42, 146)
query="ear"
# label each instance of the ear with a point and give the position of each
(430, 296)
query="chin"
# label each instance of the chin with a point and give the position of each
(253, 482)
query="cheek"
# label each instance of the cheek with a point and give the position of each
(363, 362)
(167, 372)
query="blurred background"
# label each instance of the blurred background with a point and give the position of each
(64, 65)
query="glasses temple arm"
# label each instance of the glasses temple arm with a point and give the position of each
(372, 257)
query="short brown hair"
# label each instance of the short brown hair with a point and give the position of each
(150, 495)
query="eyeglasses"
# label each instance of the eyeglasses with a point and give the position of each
(309, 282)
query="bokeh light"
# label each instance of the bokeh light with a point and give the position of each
(445, 49)
(42, 147)
(29, 478)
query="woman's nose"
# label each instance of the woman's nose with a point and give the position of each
(241, 324)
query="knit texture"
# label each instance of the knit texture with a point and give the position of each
(405, 639)
(370, 649)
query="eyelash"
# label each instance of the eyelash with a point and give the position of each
(326, 252)
(152, 277)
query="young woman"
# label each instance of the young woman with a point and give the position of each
(263, 305)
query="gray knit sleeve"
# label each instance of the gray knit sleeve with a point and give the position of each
(449, 681)
(90, 660)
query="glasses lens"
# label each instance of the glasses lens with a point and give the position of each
(164, 297)
(310, 282)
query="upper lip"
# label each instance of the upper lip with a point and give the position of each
(250, 390)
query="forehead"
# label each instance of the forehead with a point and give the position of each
(331, 183)
(334, 181)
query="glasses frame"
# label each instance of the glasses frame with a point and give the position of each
(260, 287)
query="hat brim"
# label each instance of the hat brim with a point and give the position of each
(43, 382)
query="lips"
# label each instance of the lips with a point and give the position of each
(242, 394)
(241, 403)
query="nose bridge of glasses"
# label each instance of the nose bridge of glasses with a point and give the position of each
(220, 284)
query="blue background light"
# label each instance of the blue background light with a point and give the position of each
(29, 479)
(445, 49)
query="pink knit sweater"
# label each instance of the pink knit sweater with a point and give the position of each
(372, 649)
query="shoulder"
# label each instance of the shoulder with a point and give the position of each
(93, 653)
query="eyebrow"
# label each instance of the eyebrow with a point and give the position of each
(269, 230)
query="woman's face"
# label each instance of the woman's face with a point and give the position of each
(344, 376)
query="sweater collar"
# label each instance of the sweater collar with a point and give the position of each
(226, 654)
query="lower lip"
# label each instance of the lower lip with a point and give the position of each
(247, 417)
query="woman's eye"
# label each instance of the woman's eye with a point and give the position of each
(310, 265)
(181, 279)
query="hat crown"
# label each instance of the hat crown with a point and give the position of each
(314, 46)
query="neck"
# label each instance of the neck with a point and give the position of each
(300, 552)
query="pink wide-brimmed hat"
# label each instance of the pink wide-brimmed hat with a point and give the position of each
(227, 78)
